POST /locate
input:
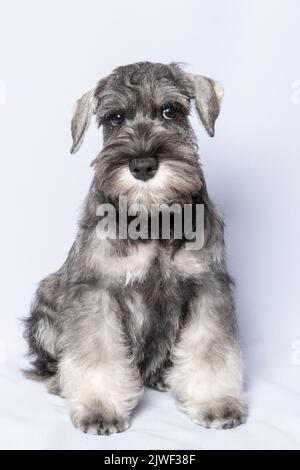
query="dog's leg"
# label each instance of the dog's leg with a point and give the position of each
(41, 330)
(97, 375)
(207, 373)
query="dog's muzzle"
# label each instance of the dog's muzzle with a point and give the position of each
(143, 168)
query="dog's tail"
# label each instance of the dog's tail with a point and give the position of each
(41, 332)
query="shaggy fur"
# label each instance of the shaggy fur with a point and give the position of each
(122, 314)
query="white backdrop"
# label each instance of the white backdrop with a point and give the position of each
(51, 52)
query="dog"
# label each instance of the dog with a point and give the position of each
(122, 313)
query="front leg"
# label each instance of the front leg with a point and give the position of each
(97, 375)
(207, 374)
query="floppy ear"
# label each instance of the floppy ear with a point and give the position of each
(84, 110)
(208, 95)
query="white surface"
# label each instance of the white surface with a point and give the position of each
(50, 53)
(33, 419)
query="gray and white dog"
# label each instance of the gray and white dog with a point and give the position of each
(122, 314)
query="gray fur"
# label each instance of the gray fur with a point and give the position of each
(121, 314)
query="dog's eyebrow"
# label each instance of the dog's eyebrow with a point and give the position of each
(114, 100)
(107, 102)
(170, 95)
(179, 101)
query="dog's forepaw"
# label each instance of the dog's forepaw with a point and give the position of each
(92, 422)
(223, 413)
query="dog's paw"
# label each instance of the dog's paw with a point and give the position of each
(92, 422)
(224, 413)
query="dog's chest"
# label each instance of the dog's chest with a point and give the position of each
(137, 264)
(154, 303)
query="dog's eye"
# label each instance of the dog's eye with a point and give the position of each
(117, 118)
(169, 112)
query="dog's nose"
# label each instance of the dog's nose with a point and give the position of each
(143, 168)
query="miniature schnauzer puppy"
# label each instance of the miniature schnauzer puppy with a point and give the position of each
(121, 314)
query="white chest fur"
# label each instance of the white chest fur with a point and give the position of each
(188, 263)
(124, 269)
(136, 264)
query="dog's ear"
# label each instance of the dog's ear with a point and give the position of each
(208, 95)
(84, 109)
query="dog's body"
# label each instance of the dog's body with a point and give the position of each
(124, 313)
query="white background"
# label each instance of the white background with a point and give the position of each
(51, 52)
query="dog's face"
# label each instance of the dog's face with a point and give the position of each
(149, 152)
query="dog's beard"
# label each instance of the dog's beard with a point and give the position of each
(177, 180)
(169, 185)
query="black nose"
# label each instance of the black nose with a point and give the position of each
(143, 168)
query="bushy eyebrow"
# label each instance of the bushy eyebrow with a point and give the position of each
(113, 100)
(108, 102)
(180, 105)
(170, 95)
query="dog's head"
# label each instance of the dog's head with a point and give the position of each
(149, 152)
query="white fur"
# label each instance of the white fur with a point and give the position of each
(102, 379)
(46, 335)
(204, 372)
(156, 190)
(219, 90)
(125, 269)
(188, 264)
